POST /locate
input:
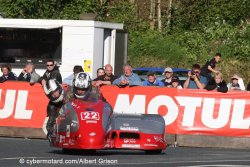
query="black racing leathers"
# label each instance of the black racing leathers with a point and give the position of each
(52, 108)
(52, 113)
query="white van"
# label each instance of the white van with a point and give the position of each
(91, 44)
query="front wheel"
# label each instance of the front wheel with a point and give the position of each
(153, 151)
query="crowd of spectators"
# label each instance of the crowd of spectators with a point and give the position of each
(205, 77)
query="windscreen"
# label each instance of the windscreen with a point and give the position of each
(21, 45)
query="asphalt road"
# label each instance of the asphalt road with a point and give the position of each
(34, 152)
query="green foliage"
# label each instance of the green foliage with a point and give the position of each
(125, 12)
(50, 9)
(184, 49)
(153, 44)
(197, 31)
(191, 14)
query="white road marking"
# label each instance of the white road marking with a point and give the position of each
(216, 166)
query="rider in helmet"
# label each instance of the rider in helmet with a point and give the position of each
(82, 86)
(55, 93)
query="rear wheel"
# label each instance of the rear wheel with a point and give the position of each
(153, 151)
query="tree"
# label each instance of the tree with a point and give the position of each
(159, 15)
(152, 15)
(169, 13)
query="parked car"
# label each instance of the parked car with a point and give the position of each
(179, 72)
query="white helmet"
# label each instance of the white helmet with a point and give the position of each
(51, 87)
(82, 82)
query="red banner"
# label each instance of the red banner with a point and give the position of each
(22, 105)
(187, 111)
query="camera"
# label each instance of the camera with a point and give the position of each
(192, 73)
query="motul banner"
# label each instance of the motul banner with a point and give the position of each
(22, 105)
(187, 111)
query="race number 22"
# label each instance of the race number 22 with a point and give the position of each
(90, 115)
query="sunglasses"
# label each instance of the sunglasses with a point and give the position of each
(168, 72)
(50, 65)
(234, 79)
(196, 72)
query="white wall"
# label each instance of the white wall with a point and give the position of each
(98, 50)
(77, 46)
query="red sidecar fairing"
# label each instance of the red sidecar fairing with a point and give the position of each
(82, 125)
(92, 125)
(143, 132)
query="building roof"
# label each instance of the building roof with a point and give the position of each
(48, 24)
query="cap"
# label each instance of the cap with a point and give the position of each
(151, 73)
(175, 79)
(235, 76)
(168, 69)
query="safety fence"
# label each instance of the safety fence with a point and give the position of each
(186, 112)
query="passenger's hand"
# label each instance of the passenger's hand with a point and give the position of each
(189, 74)
(43, 82)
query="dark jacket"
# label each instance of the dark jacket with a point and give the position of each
(221, 87)
(29, 77)
(24, 77)
(205, 71)
(106, 78)
(10, 76)
(54, 74)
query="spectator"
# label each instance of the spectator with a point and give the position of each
(168, 73)
(209, 67)
(217, 83)
(194, 79)
(176, 82)
(100, 72)
(70, 79)
(29, 74)
(236, 84)
(7, 74)
(152, 80)
(128, 78)
(106, 79)
(52, 72)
